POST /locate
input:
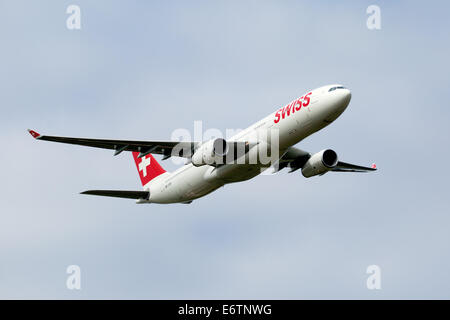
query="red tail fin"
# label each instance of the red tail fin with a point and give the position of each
(148, 168)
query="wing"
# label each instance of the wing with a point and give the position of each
(166, 148)
(348, 167)
(119, 194)
(295, 159)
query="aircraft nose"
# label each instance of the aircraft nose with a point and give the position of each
(339, 101)
(343, 98)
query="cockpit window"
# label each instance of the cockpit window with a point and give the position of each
(335, 88)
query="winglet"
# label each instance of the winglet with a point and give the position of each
(374, 166)
(34, 134)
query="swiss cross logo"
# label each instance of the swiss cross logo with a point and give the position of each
(145, 162)
(34, 133)
(147, 166)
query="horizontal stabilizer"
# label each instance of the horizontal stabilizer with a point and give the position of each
(119, 194)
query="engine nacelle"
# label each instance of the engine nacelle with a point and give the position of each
(320, 163)
(212, 152)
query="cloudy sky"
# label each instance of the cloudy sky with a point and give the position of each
(139, 70)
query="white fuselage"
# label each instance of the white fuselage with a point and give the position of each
(191, 182)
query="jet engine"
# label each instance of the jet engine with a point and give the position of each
(320, 163)
(212, 152)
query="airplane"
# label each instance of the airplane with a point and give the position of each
(212, 164)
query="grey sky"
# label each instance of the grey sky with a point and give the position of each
(140, 70)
